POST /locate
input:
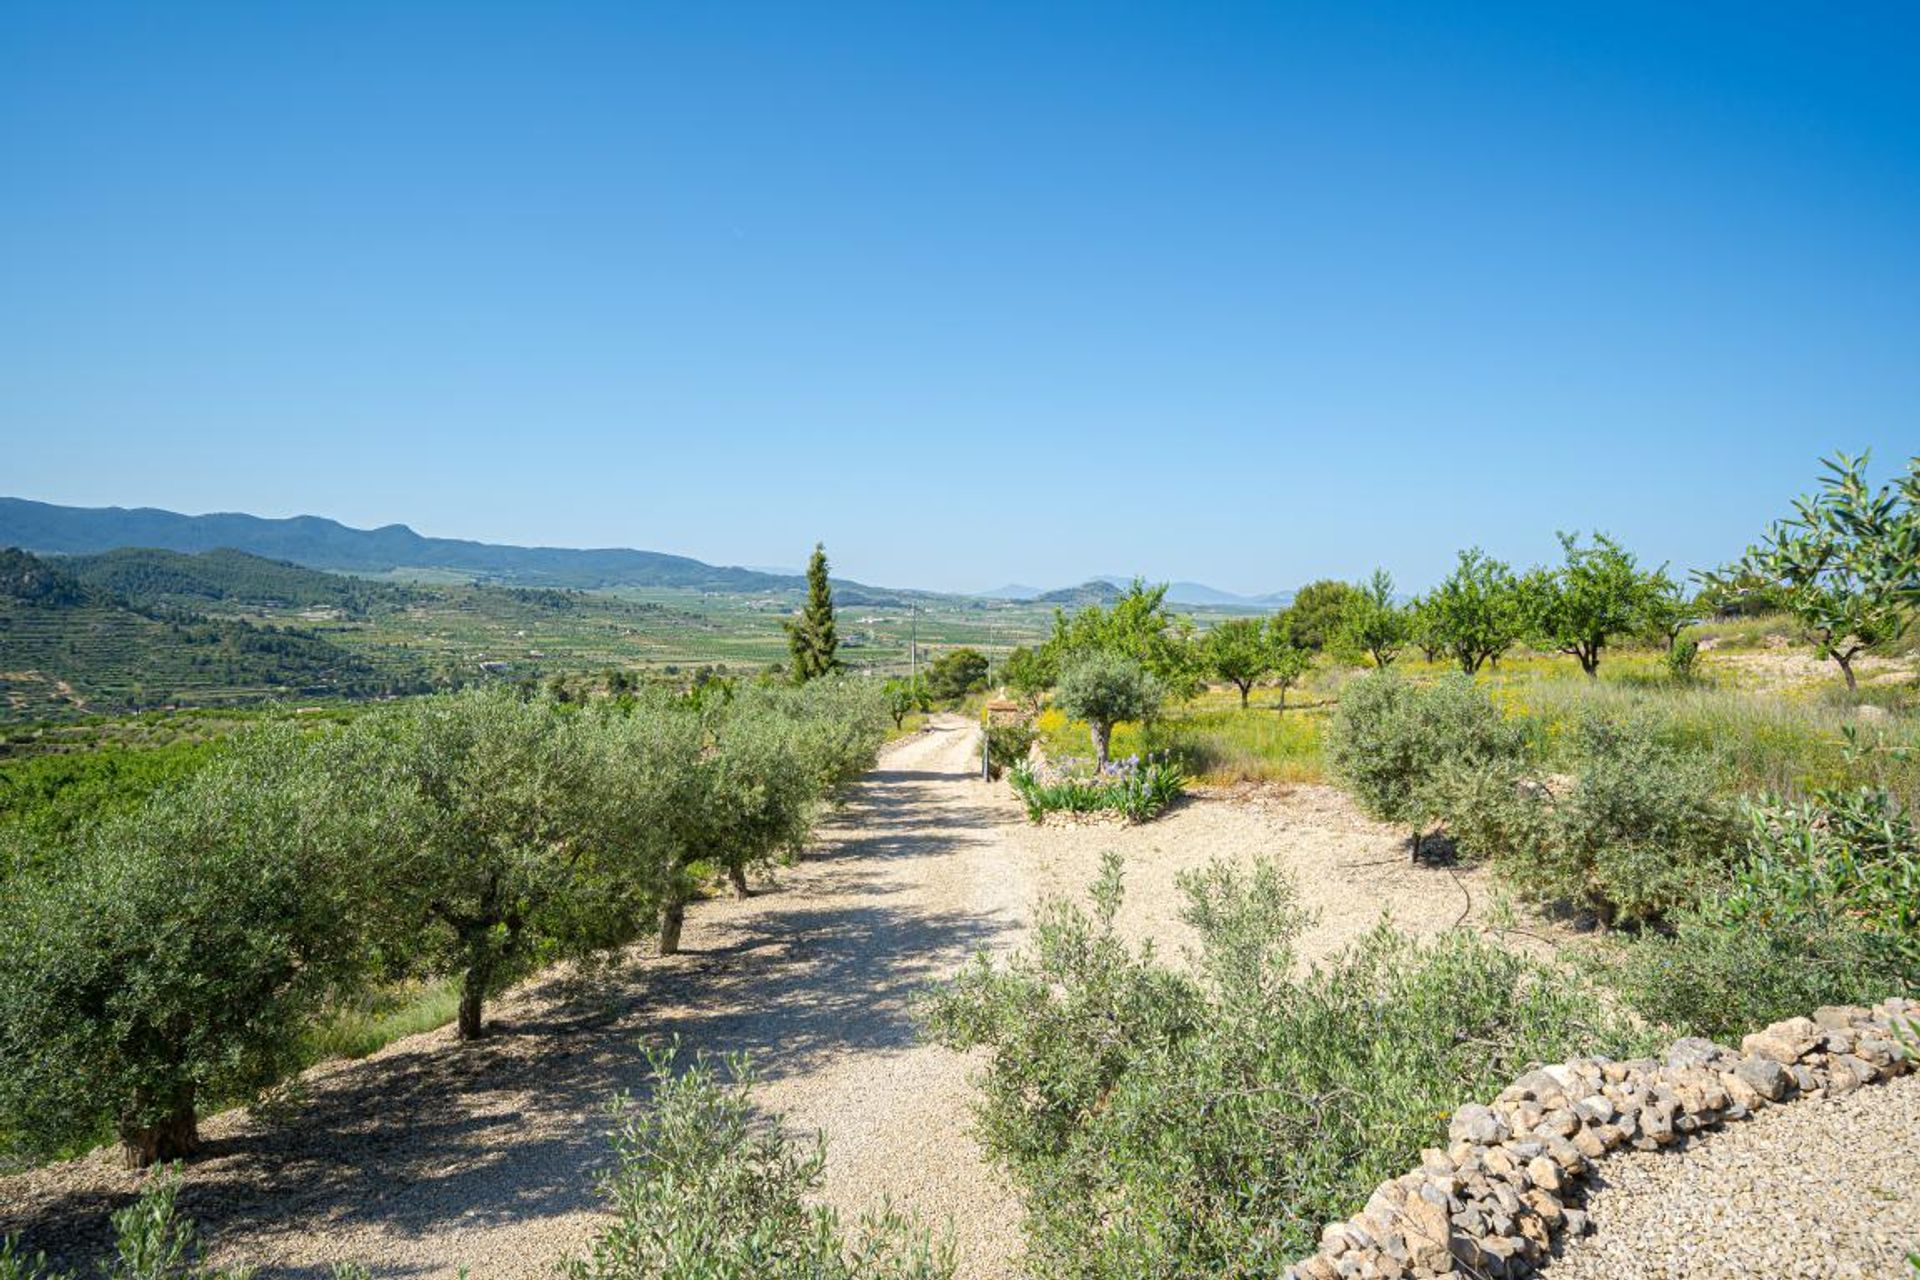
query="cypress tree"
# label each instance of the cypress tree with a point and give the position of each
(810, 637)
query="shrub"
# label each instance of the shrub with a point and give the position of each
(1105, 688)
(703, 1189)
(1198, 1125)
(1392, 742)
(1008, 744)
(178, 954)
(1640, 832)
(151, 1242)
(1682, 655)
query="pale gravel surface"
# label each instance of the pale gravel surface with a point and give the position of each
(1350, 870)
(1826, 1188)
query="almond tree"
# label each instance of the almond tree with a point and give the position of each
(1578, 607)
(1239, 651)
(1474, 614)
(1845, 564)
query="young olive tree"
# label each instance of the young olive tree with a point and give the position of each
(1578, 607)
(1239, 651)
(1372, 624)
(1845, 564)
(1475, 614)
(177, 954)
(1392, 742)
(1667, 609)
(1104, 689)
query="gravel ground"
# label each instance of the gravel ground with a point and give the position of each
(1824, 1188)
(1349, 869)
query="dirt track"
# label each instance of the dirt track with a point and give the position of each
(431, 1156)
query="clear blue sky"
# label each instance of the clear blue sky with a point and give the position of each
(1243, 293)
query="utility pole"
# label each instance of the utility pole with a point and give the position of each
(914, 645)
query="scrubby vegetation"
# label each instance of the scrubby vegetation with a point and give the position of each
(1207, 1124)
(703, 1188)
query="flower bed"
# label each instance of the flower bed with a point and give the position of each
(1134, 789)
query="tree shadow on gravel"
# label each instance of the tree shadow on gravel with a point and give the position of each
(437, 1137)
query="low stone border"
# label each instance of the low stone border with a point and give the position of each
(1492, 1203)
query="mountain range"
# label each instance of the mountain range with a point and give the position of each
(318, 543)
(1106, 586)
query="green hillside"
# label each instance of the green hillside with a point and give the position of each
(224, 578)
(67, 648)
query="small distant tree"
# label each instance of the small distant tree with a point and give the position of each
(1666, 610)
(1371, 623)
(1313, 619)
(1105, 689)
(1290, 662)
(904, 697)
(811, 637)
(955, 674)
(1239, 651)
(1475, 614)
(1028, 673)
(1578, 607)
(1845, 564)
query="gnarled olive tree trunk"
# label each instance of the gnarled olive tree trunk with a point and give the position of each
(174, 1137)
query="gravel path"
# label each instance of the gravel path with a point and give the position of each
(1349, 869)
(1824, 1188)
(428, 1156)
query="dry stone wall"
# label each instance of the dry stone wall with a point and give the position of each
(1509, 1182)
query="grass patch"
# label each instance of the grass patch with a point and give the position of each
(367, 1026)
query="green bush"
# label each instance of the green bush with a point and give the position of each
(1394, 744)
(151, 1242)
(955, 674)
(1641, 832)
(1008, 744)
(1173, 1125)
(705, 1189)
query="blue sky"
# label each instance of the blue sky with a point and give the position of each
(1242, 293)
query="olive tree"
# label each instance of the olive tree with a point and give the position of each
(1239, 651)
(533, 839)
(1474, 614)
(1577, 607)
(1845, 564)
(1392, 741)
(176, 955)
(1104, 689)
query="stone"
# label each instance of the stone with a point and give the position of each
(1765, 1075)
(1785, 1042)
(1544, 1173)
(1839, 1017)
(1693, 1051)
(1476, 1123)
